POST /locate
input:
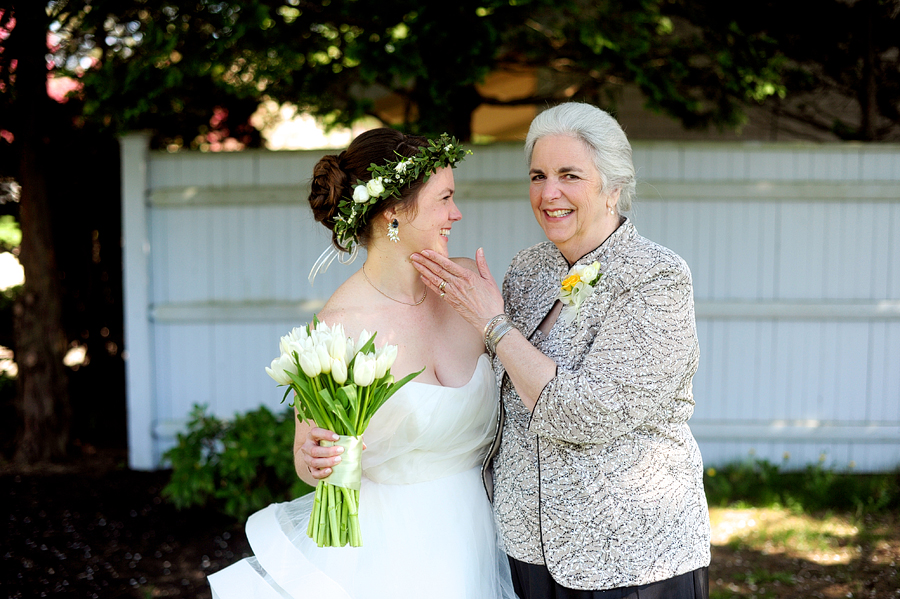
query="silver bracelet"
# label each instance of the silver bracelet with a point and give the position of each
(494, 333)
(492, 323)
(489, 329)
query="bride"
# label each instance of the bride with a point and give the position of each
(425, 519)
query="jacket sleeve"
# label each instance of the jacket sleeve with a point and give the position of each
(642, 353)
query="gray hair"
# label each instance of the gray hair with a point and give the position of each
(603, 136)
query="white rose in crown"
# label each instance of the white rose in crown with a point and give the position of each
(375, 187)
(360, 194)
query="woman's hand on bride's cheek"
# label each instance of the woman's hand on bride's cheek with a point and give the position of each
(474, 295)
(318, 459)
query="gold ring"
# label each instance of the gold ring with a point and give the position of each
(442, 285)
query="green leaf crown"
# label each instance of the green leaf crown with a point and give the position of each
(389, 179)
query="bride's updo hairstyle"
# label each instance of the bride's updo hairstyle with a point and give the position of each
(335, 176)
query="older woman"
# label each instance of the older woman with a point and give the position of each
(596, 479)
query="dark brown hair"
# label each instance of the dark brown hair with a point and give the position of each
(335, 176)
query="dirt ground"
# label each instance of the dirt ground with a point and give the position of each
(93, 528)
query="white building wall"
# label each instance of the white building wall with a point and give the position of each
(794, 250)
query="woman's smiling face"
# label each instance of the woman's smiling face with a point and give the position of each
(567, 196)
(435, 213)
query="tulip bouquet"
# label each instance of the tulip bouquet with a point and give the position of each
(339, 384)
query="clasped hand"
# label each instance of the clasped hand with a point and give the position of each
(320, 460)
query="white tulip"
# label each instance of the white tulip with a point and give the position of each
(360, 194)
(337, 349)
(324, 358)
(363, 337)
(339, 371)
(323, 340)
(309, 362)
(364, 370)
(297, 346)
(278, 368)
(390, 352)
(297, 334)
(384, 359)
(338, 331)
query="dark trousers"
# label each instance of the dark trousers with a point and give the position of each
(534, 582)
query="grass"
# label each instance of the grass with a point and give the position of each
(761, 483)
(825, 539)
(812, 533)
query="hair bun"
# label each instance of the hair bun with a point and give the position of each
(329, 184)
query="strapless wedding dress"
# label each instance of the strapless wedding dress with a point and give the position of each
(426, 523)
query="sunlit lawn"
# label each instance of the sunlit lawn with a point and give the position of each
(777, 552)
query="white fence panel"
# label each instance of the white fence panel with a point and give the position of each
(794, 251)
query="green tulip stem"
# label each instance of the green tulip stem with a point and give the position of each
(333, 514)
(313, 527)
(345, 525)
(364, 402)
(321, 529)
(351, 501)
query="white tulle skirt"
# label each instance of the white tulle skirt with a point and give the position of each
(433, 539)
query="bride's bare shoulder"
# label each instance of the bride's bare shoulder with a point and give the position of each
(466, 263)
(350, 306)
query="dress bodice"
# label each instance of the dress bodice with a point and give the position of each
(425, 432)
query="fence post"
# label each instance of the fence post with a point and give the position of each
(136, 286)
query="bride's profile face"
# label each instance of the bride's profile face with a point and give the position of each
(436, 211)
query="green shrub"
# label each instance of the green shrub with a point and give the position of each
(10, 233)
(760, 483)
(237, 466)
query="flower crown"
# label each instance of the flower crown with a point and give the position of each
(389, 180)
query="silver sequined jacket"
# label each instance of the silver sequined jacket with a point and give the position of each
(603, 482)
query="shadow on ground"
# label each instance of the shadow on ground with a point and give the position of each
(93, 528)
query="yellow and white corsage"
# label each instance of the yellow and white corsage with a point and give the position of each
(576, 288)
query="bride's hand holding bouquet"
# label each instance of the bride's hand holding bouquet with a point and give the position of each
(338, 383)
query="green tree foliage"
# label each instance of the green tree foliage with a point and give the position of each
(167, 65)
(163, 65)
(838, 61)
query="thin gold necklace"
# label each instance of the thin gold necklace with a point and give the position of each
(389, 297)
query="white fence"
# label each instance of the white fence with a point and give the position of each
(794, 249)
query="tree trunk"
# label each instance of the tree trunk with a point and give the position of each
(40, 341)
(868, 87)
(449, 111)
